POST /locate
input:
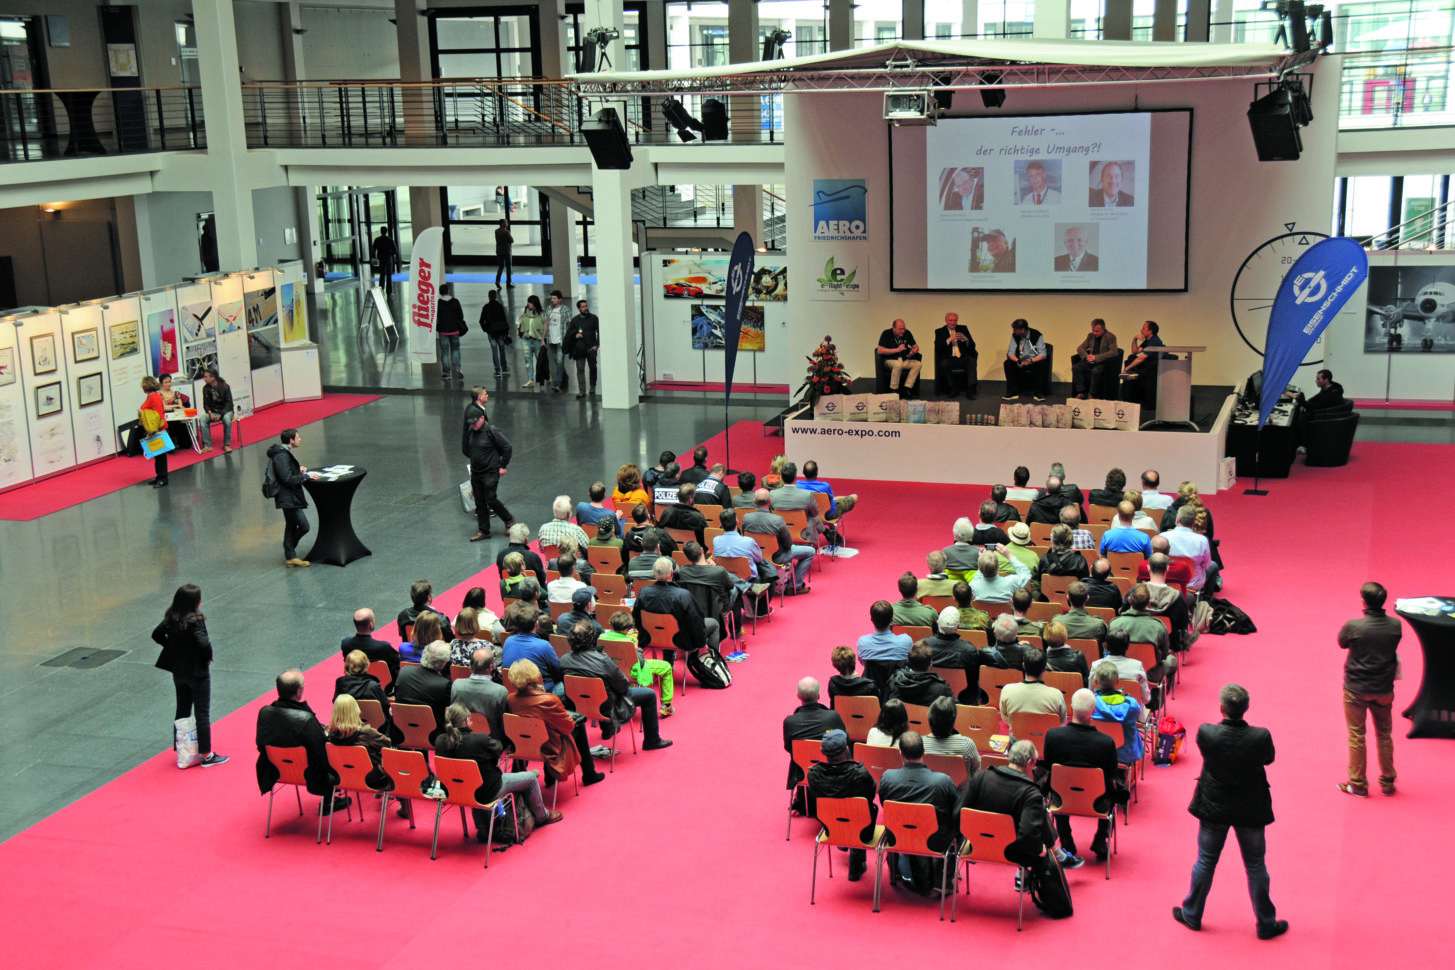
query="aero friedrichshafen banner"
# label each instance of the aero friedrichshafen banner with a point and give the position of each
(426, 273)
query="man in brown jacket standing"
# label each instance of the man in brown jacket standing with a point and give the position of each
(1369, 671)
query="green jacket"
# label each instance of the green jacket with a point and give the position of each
(530, 325)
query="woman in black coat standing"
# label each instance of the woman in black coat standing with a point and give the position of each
(187, 656)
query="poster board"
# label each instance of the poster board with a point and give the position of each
(88, 385)
(232, 337)
(292, 303)
(15, 468)
(265, 342)
(125, 349)
(43, 366)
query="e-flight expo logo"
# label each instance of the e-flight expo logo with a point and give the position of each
(840, 212)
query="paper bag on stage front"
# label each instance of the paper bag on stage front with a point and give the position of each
(881, 406)
(856, 407)
(1037, 415)
(944, 412)
(915, 411)
(1104, 414)
(830, 407)
(1005, 411)
(1128, 416)
(1081, 415)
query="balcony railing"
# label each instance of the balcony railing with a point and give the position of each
(75, 122)
(1397, 89)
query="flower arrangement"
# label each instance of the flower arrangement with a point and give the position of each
(825, 373)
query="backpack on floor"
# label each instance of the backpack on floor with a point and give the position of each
(709, 669)
(1049, 889)
(1227, 618)
(512, 828)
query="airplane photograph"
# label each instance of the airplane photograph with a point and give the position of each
(1410, 310)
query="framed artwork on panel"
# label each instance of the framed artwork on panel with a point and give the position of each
(89, 390)
(86, 345)
(43, 353)
(48, 399)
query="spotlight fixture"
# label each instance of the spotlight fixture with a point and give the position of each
(607, 140)
(992, 96)
(1276, 116)
(773, 44)
(679, 118)
(593, 55)
(915, 107)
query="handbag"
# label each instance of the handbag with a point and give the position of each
(151, 421)
(156, 445)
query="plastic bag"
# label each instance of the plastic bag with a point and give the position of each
(186, 729)
(1170, 735)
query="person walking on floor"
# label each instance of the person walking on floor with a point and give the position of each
(289, 497)
(1232, 792)
(187, 656)
(489, 452)
(583, 339)
(1372, 664)
(384, 253)
(529, 327)
(449, 327)
(497, 327)
(558, 317)
(503, 242)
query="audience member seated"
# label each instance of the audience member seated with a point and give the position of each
(747, 485)
(363, 641)
(561, 590)
(1032, 695)
(1068, 488)
(762, 521)
(944, 739)
(428, 684)
(1165, 600)
(656, 473)
(641, 525)
(971, 616)
(1179, 571)
(1140, 519)
(1113, 705)
(1079, 745)
(1152, 499)
(664, 595)
(458, 741)
(290, 723)
(1101, 592)
(608, 537)
(847, 683)
(1062, 658)
(1128, 668)
(810, 721)
(733, 543)
(961, 556)
(561, 527)
(631, 488)
(481, 694)
(1062, 560)
(651, 543)
(683, 515)
(582, 568)
(883, 651)
(1071, 519)
(698, 471)
(593, 511)
(908, 610)
(1020, 548)
(1009, 790)
(938, 582)
(427, 630)
(1079, 624)
(949, 651)
(519, 536)
(893, 722)
(1185, 541)
(421, 594)
(791, 498)
(485, 618)
(713, 490)
(1021, 490)
(565, 746)
(346, 726)
(1003, 511)
(1142, 627)
(917, 784)
(810, 482)
(583, 610)
(1046, 509)
(989, 586)
(712, 587)
(1111, 495)
(1123, 536)
(512, 577)
(913, 683)
(586, 659)
(1187, 495)
(467, 636)
(1020, 604)
(1005, 652)
(358, 683)
(774, 478)
(838, 776)
(522, 643)
(644, 671)
(986, 531)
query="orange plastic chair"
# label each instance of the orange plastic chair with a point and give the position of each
(976, 638)
(993, 609)
(662, 630)
(992, 679)
(958, 680)
(1101, 514)
(352, 765)
(878, 760)
(373, 714)
(1054, 589)
(709, 512)
(1021, 505)
(989, 759)
(407, 771)
(379, 670)
(590, 697)
(843, 819)
(560, 644)
(915, 633)
(1032, 640)
(986, 837)
(1045, 612)
(768, 545)
(947, 764)
(605, 611)
(1067, 682)
(526, 735)
(417, 722)
(1103, 613)
(1089, 648)
(606, 560)
(683, 536)
(459, 672)
(1116, 731)
(977, 723)
(908, 827)
(1074, 791)
(623, 654)
(805, 754)
(919, 718)
(1041, 533)
(1030, 727)
(290, 763)
(937, 603)
(479, 724)
(608, 586)
(461, 778)
(559, 610)
(859, 714)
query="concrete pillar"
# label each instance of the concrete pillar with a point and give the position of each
(912, 22)
(564, 248)
(616, 302)
(745, 112)
(1053, 19)
(1199, 19)
(1164, 20)
(1222, 32)
(232, 196)
(654, 19)
(970, 18)
(841, 24)
(1116, 20)
(414, 65)
(290, 21)
(553, 40)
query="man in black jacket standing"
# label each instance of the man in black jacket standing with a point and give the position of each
(489, 453)
(583, 337)
(384, 254)
(1372, 641)
(1232, 792)
(290, 723)
(290, 477)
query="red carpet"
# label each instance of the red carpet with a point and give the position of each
(679, 857)
(104, 477)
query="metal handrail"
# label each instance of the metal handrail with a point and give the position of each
(68, 122)
(1434, 226)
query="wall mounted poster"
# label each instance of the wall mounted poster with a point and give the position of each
(708, 325)
(292, 314)
(162, 331)
(699, 276)
(198, 357)
(86, 345)
(264, 342)
(43, 353)
(1411, 309)
(125, 339)
(198, 321)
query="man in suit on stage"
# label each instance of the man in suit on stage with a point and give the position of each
(1076, 259)
(1109, 194)
(956, 358)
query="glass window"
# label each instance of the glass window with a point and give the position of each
(1006, 18)
(877, 21)
(944, 19)
(694, 31)
(1366, 205)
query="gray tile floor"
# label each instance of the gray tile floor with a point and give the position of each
(98, 576)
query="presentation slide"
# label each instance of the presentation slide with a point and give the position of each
(1056, 202)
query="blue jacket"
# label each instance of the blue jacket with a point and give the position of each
(1116, 706)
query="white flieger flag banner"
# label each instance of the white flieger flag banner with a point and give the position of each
(426, 273)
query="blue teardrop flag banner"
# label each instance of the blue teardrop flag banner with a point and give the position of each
(740, 274)
(1311, 294)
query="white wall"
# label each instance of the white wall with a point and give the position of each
(167, 235)
(275, 210)
(259, 40)
(1236, 204)
(344, 42)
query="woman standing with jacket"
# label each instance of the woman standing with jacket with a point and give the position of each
(530, 327)
(187, 656)
(152, 388)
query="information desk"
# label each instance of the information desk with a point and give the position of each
(336, 544)
(1433, 710)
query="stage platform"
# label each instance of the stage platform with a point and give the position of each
(955, 454)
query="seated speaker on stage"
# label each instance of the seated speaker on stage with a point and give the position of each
(1026, 363)
(1139, 372)
(898, 354)
(1095, 360)
(956, 361)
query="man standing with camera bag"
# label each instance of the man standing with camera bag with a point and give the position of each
(489, 453)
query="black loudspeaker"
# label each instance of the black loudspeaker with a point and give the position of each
(607, 140)
(1275, 132)
(992, 97)
(714, 120)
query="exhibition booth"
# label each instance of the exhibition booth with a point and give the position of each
(70, 377)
